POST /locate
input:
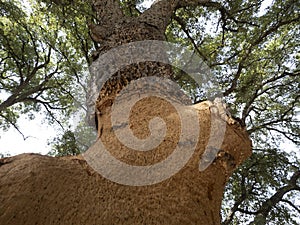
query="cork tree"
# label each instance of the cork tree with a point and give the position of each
(250, 55)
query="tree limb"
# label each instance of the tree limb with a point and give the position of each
(159, 14)
(108, 11)
(292, 205)
(267, 205)
(14, 125)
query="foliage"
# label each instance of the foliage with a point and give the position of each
(66, 145)
(3, 155)
(73, 141)
(44, 59)
(255, 55)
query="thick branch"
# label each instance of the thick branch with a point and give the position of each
(159, 14)
(186, 3)
(292, 205)
(267, 205)
(24, 90)
(249, 50)
(161, 11)
(108, 14)
(108, 11)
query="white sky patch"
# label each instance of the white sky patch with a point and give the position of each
(26, 7)
(263, 9)
(37, 131)
(147, 3)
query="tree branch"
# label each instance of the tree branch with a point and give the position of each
(183, 26)
(15, 126)
(250, 49)
(108, 11)
(291, 204)
(260, 91)
(237, 203)
(267, 205)
(159, 14)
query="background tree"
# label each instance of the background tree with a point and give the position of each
(44, 61)
(66, 145)
(252, 50)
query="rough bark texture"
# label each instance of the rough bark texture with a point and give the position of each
(37, 189)
(120, 30)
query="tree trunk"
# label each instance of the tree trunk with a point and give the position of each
(38, 189)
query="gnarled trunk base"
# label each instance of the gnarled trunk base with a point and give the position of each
(37, 189)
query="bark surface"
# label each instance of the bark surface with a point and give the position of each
(37, 189)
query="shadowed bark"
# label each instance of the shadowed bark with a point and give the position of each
(43, 190)
(37, 189)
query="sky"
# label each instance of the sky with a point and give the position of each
(39, 133)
